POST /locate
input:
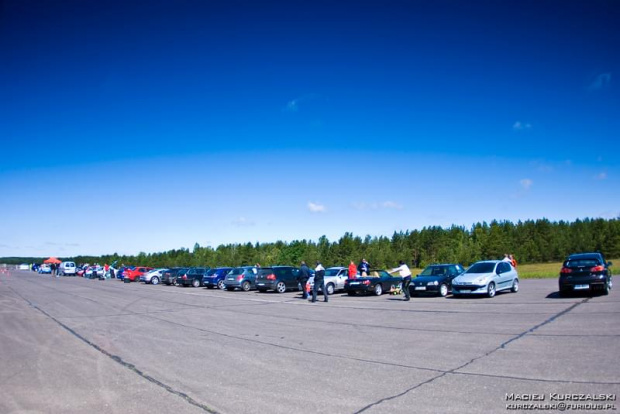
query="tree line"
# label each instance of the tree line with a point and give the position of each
(530, 241)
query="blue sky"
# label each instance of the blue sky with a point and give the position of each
(133, 126)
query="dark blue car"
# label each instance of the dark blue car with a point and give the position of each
(215, 277)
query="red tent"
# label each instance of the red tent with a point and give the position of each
(52, 260)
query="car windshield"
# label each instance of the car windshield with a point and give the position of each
(211, 272)
(484, 267)
(434, 271)
(332, 272)
(237, 271)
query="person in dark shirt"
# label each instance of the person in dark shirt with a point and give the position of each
(304, 275)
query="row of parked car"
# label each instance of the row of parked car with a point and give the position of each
(580, 272)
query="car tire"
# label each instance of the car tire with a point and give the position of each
(280, 287)
(246, 286)
(378, 289)
(606, 288)
(491, 290)
(515, 286)
(154, 280)
(443, 290)
(330, 288)
(196, 283)
(220, 285)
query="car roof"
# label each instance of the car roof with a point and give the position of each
(337, 267)
(585, 256)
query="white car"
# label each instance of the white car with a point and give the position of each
(67, 268)
(486, 278)
(153, 277)
(334, 279)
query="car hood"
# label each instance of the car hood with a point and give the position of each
(471, 277)
(426, 279)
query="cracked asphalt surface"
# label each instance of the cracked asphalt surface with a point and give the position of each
(71, 345)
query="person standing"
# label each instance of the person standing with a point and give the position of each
(304, 275)
(352, 270)
(319, 280)
(405, 273)
(364, 268)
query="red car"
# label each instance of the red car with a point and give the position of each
(134, 274)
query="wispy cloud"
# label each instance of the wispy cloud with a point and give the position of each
(242, 222)
(601, 176)
(294, 104)
(601, 81)
(610, 214)
(526, 184)
(376, 206)
(316, 207)
(521, 126)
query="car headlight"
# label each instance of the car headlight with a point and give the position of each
(434, 283)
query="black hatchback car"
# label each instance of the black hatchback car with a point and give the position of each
(278, 278)
(435, 279)
(169, 277)
(192, 277)
(585, 272)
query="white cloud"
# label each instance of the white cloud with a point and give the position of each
(601, 176)
(392, 204)
(526, 183)
(316, 207)
(242, 222)
(520, 126)
(601, 81)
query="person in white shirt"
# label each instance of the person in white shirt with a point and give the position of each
(405, 273)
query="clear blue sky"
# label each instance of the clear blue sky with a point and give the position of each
(131, 126)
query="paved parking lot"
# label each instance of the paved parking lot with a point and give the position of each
(71, 345)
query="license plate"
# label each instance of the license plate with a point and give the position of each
(260, 284)
(354, 283)
(420, 288)
(231, 278)
(581, 287)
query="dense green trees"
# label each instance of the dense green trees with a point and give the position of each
(531, 241)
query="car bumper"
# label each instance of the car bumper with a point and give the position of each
(424, 288)
(266, 285)
(469, 290)
(209, 283)
(359, 288)
(583, 285)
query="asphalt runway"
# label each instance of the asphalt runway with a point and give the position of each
(72, 345)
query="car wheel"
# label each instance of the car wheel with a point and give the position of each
(196, 283)
(491, 290)
(154, 280)
(443, 290)
(246, 286)
(330, 288)
(606, 288)
(280, 287)
(220, 285)
(515, 286)
(378, 289)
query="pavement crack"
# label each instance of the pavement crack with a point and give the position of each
(503, 345)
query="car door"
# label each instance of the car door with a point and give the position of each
(505, 276)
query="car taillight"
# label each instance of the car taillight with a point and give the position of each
(184, 277)
(597, 269)
(366, 282)
(271, 277)
(566, 270)
(240, 277)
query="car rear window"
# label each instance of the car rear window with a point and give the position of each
(581, 263)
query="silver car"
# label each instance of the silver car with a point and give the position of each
(486, 278)
(334, 279)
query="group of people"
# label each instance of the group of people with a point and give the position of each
(510, 259)
(363, 269)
